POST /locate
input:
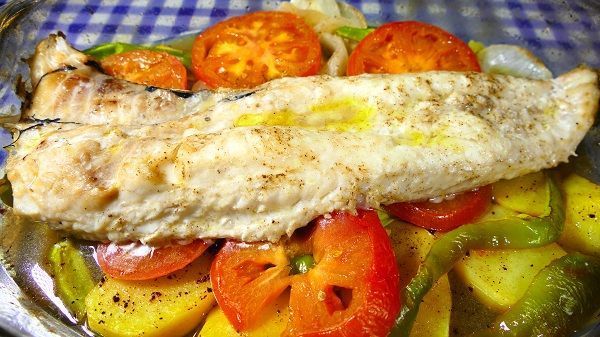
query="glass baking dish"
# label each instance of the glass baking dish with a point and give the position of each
(563, 34)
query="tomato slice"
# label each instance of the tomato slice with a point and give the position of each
(147, 67)
(245, 51)
(352, 290)
(136, 261)
(410, 46)
(445, 215)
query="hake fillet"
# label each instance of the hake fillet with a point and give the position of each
(262, 165)
(68, 86)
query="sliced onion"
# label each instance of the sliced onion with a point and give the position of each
(512, 60)
(334, 46)
(327, 7)
(325, 16)
(353, 14)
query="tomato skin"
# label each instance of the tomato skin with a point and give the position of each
(136, 261)
(410, 46)
(248, 50)
(370, 261)
(353, 255)
(247, 264)
(446, 215)
(147, 67)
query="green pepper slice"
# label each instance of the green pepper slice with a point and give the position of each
(562, 297)
(512, 233)
(353, 33)
(73, 279)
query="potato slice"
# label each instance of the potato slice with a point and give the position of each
(433, 319)
(529, 194)
(274, 322)
(497, 212)
(500, 278)
(172, 305)
(582, 225)
(411, 244)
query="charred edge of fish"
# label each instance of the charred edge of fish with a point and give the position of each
(37, 122)
(61, 69)
(183, 94)
(180, 93)
(16, 133)
(41, 121)
(94, 64)
(238, 96)
(47, 121)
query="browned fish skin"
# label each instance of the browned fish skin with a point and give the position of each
(86, 96)
(68, 89)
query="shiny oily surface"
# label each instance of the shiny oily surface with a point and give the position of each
(561, 33)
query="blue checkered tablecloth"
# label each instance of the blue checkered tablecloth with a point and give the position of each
(549, 28)
(562, 33)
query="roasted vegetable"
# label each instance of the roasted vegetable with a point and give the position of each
(433, 319)
(411, 245)
(528, 194)
(561, 298)
(171, 305)
(499, 278)
(582, 225)
(354, 33)
(512, 60)
(72, 278)
(511, 233)
(107, 49)
(273, 322)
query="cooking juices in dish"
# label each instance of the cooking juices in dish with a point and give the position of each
(249, 206)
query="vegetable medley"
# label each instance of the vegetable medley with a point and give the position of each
(527, 250)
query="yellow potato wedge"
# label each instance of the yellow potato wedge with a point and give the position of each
(582, 224)
(529, 194)
(433, 319)
(274, 322)
(499, 278)
(171, 306)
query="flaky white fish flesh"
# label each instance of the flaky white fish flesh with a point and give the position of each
(260, 165)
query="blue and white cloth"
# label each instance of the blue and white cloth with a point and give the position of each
(562, 33)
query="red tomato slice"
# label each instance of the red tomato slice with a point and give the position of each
(245, 51)
(351, 291)
(445, 215)
(410, 46)
(147, 67)
(136, 261)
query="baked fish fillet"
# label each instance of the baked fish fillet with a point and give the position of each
(68, 86)
(259, 166)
